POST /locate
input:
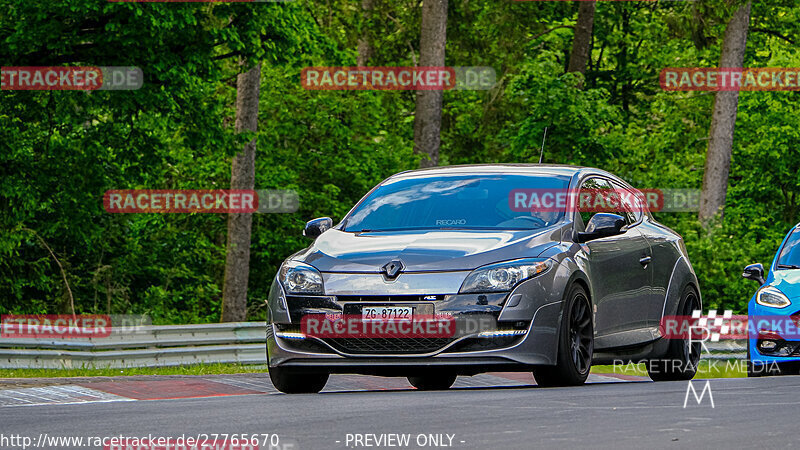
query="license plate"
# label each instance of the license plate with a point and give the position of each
(387, 313)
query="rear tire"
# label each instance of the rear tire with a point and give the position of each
(290, 382)
(433, 382)
(683, 355)
(575, 344)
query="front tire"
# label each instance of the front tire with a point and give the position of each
(290, 382)
(433, 382)
(683, 355)
(575, 344)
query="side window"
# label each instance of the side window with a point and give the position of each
(587, 196)
(630, 204)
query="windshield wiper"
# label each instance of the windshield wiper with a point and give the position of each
(788, 266)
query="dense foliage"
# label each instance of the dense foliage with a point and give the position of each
(60, 151)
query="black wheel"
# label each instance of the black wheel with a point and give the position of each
(575, 344)
(290, 382)
(433, 382)
(683, 355)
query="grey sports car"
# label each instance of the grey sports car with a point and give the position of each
(463, 270)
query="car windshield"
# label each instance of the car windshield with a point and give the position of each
(466, 202)
(790, 254)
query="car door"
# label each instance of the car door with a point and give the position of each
(657, 261)
(619, 275)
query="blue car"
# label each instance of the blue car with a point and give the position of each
(773, 345)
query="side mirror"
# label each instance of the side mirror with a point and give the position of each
(316, 227)
(754, 272)
(602, 225)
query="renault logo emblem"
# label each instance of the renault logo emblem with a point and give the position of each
(392, 269)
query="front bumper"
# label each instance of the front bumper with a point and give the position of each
(774, 336)
(517, 330)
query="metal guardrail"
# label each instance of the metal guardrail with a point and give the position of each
(174, 345)
(725, 350)
(145, 346)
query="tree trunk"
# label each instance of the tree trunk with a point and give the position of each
(723, 120)
(365, 49)
(582, 41)
(237, 261)
(428, 116)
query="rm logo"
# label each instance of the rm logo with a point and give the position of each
(690, 388)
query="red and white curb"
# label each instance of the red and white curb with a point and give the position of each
(49, 395)
(166, 388)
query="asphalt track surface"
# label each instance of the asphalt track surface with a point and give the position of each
(488, 411)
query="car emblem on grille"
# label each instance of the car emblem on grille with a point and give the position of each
(392, 269)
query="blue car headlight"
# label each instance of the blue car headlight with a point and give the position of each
(300, 278)
(772, 297)
(501, 277)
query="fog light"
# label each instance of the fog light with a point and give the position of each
(501, 333)
(768, 345)
(290, 335)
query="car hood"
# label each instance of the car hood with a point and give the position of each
(424, 251)
(788, 281)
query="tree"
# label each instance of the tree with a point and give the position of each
(428, 116)
(582, 42)
(243, 173)
(365, 49)
(723, 119)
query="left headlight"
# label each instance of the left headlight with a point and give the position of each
(772, 297)
(300, 278)
(503, 276)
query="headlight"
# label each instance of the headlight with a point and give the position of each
(503, 276)
(299, 278)
(772, 297)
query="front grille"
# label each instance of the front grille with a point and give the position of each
(389, 298)
(388, 345)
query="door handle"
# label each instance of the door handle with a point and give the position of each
(645, 260)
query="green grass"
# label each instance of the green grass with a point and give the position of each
(706, 369)
(195, 369)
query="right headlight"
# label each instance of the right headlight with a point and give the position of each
(300, 278)
(772, 297)
(502, 277)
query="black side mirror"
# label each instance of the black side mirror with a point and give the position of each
(602, 225)
(754, 272)
(316, 227)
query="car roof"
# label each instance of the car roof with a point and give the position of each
(522, 169)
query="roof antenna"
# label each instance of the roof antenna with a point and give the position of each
(541, 154)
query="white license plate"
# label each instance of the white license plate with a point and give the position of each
(387, 313)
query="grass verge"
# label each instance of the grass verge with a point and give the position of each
(707, 368)
(194, 369)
